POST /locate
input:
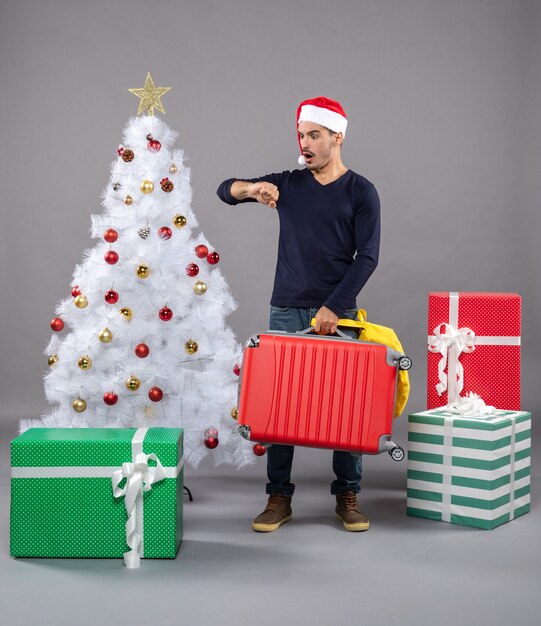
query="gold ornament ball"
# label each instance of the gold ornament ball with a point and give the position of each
(85, 362)
(191, 346)
(200, 287)
(133, 383)
(234, 413)
(128, 200)
(143, 271)
(126, 312)
(79, 405)
(173, 169)
(105, 335)
(147, 186)
(179, 221)
(53, 360)
(81, 302)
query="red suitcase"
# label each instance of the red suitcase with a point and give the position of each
(320, 391)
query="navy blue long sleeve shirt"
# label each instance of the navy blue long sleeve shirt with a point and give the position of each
(329, 238)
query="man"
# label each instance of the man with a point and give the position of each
(328, 248)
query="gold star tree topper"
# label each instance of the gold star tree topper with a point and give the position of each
(150, 96)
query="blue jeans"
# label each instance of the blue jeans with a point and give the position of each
(280, 457)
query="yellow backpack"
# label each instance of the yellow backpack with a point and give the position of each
(382, 334)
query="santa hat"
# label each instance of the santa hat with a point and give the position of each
(325, 112)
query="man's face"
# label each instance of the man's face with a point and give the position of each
(318, 144)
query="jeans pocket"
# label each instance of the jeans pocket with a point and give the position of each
(280, 309)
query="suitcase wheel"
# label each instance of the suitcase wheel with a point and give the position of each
(244, 431)
(404, 363)
(397, 454)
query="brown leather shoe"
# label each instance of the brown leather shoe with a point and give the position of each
(347, 511)
(277, 512)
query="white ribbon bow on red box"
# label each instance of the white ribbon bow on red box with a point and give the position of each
(450, 341)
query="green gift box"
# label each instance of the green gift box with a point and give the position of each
(94, 492)
(473, 471)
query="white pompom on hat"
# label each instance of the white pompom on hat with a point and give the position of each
(325, 112)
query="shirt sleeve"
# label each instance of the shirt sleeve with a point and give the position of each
(224, 192)
(367, 237)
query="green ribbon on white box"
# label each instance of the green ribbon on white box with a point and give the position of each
(139, 476)
(467, 474)
(447, 468)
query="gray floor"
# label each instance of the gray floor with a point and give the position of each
(402, 571)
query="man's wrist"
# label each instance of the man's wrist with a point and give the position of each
(239, 190)
(332, 309)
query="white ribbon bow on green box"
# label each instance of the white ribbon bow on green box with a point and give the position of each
(140, 477)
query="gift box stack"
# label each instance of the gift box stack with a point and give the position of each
(469, 453)
(97, 492)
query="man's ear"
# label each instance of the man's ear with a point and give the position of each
(339, 139)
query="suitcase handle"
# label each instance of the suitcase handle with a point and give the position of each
(310, 329)
(348, 323)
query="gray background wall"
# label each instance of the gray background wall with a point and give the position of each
(443, 100)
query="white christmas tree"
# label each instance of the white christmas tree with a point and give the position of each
(142, 341)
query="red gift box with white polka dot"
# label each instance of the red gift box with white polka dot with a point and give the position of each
(488, 324)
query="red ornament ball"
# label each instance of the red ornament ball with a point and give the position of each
(213, 258)
(154, 145)
(142, 350)
(165, 232)
(259, 449)
(211, 438)
(110, 398)
(111, 296)
(201, 251)
(75, 291)
(155, 394)
(57, 324)
(236, 369)
(110, 235)
(165, 314)
(211, 442)
(111, 257)
(192, 269)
